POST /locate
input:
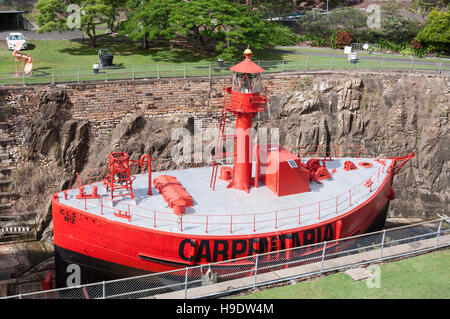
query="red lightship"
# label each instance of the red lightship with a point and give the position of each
(276, 198)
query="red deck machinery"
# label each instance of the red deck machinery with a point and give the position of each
(119, 176)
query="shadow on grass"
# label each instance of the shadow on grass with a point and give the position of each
(43, 71)
(161, 53)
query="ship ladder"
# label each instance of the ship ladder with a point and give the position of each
(220, 155)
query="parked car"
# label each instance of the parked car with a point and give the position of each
(12, 39)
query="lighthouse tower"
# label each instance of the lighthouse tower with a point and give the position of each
(244, 99)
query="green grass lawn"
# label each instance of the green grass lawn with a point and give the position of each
(66, 60)
(426, 276)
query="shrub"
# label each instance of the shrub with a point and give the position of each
(342, 39)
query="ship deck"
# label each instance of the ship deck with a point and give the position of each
(227, 212)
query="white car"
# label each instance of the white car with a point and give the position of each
(12, 39)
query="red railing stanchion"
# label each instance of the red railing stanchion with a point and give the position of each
(319, 212)
(101, 205)
(350, 197)
(231, 224)
(378, 176)
(254, 222)
(299, 215)
(337, 204)
(276, 220)
(154, 218)
(206, 230)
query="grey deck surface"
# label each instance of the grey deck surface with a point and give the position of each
(233, 212)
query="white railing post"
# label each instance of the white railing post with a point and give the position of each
(438, 233)
(157, 71)
(382, 63)
(185, 283)
(184, 73)
(256, 270)
(104, 290)
(306, 64)
(282, 67)
(382, 243)
(323, 255)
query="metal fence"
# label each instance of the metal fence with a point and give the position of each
(156, 71)
(262, 269)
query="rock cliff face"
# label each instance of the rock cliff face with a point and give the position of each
(385, 116)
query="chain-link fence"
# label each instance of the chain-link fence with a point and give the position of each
(157, 71)
(262, 269)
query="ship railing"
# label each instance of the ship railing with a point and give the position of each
(90, 176)
(250, 222)
(330, 151)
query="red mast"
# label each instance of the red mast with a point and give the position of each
(246, 100)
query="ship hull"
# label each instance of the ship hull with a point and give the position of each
(102, 249)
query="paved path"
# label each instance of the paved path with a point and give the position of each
(372, 256)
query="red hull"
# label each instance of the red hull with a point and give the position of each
(155, 251)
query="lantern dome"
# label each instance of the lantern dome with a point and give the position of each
(247, 66)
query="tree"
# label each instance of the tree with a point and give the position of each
(436, 34)
(85, 15)
(223, 26)
(395, 27)
(426, 6)
(147, 20)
